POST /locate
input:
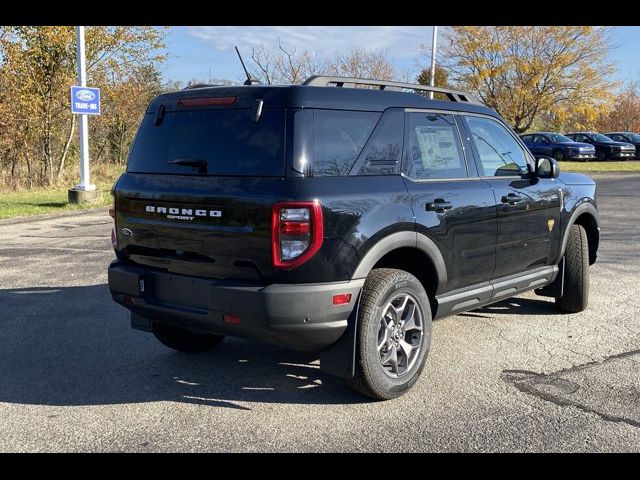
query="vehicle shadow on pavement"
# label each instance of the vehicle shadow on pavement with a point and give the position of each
(518, 306)
(72, 346)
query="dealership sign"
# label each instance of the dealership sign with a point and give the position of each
(85, 100)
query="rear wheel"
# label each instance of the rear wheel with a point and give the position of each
(575, 297)
(601, 156)
(183, 340)
(394, 334)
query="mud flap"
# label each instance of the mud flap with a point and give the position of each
(340, 358)
(556, 288)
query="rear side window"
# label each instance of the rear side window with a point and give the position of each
(434, 149)
(383, 152)
(338, 139)
(227, 141)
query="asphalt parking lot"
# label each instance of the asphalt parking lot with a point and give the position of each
(516, 376)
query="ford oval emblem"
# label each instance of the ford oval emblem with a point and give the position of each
(126, 232)
(85, 95)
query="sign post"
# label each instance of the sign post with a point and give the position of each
(84, 101)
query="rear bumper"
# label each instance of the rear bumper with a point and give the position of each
(297, 316)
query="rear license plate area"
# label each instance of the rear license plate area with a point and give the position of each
(180, 244)
(178, 290)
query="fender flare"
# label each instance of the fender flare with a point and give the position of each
(400, 240)
(339, 358)
(586, 207)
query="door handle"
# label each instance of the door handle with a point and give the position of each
(438, 205)
(511, 198)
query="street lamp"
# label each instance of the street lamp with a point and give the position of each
(432, 80)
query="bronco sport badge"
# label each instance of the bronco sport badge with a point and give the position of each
(183, 213)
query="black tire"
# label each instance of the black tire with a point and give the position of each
(575, 296)
(372, 379)
(558, 155)
(601, 156)
(183, 340)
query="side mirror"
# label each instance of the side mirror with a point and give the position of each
(547, 167)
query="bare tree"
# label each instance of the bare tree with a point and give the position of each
(285, 65)
(362, 63)
(265, 60)
(294, 68)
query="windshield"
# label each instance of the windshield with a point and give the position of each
(634, 137)
(598, 137)
(211, 142)
(557, 138)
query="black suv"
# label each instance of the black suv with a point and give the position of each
(628, 137)
(340, 220)
(606, 149)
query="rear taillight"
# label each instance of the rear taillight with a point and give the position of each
(112, 210)
(112, 214)
(296, 232)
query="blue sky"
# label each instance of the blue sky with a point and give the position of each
(207, 52)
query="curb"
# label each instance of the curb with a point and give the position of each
(47, 216)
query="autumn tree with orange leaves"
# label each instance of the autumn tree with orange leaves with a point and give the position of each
(624, 114)
(525, 71)
(37, 69)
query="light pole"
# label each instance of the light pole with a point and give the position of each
(432, 80)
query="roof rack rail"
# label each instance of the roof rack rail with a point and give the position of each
(453, 95)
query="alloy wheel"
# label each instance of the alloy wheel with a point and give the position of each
(400, 335)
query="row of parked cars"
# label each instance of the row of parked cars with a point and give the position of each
(584, 145)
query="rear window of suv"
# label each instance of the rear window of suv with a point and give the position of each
(228, 141)
(338, 139)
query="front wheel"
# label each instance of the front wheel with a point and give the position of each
(393, 334)
(601, 156)
(575, 294)
(183, 340)
(558, 155)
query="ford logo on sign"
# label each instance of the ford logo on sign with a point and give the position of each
(85, 95)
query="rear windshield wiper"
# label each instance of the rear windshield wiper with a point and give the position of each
(201, 165)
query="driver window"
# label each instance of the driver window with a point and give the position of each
(500, 154)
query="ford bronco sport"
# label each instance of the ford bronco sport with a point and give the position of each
(340, 220)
